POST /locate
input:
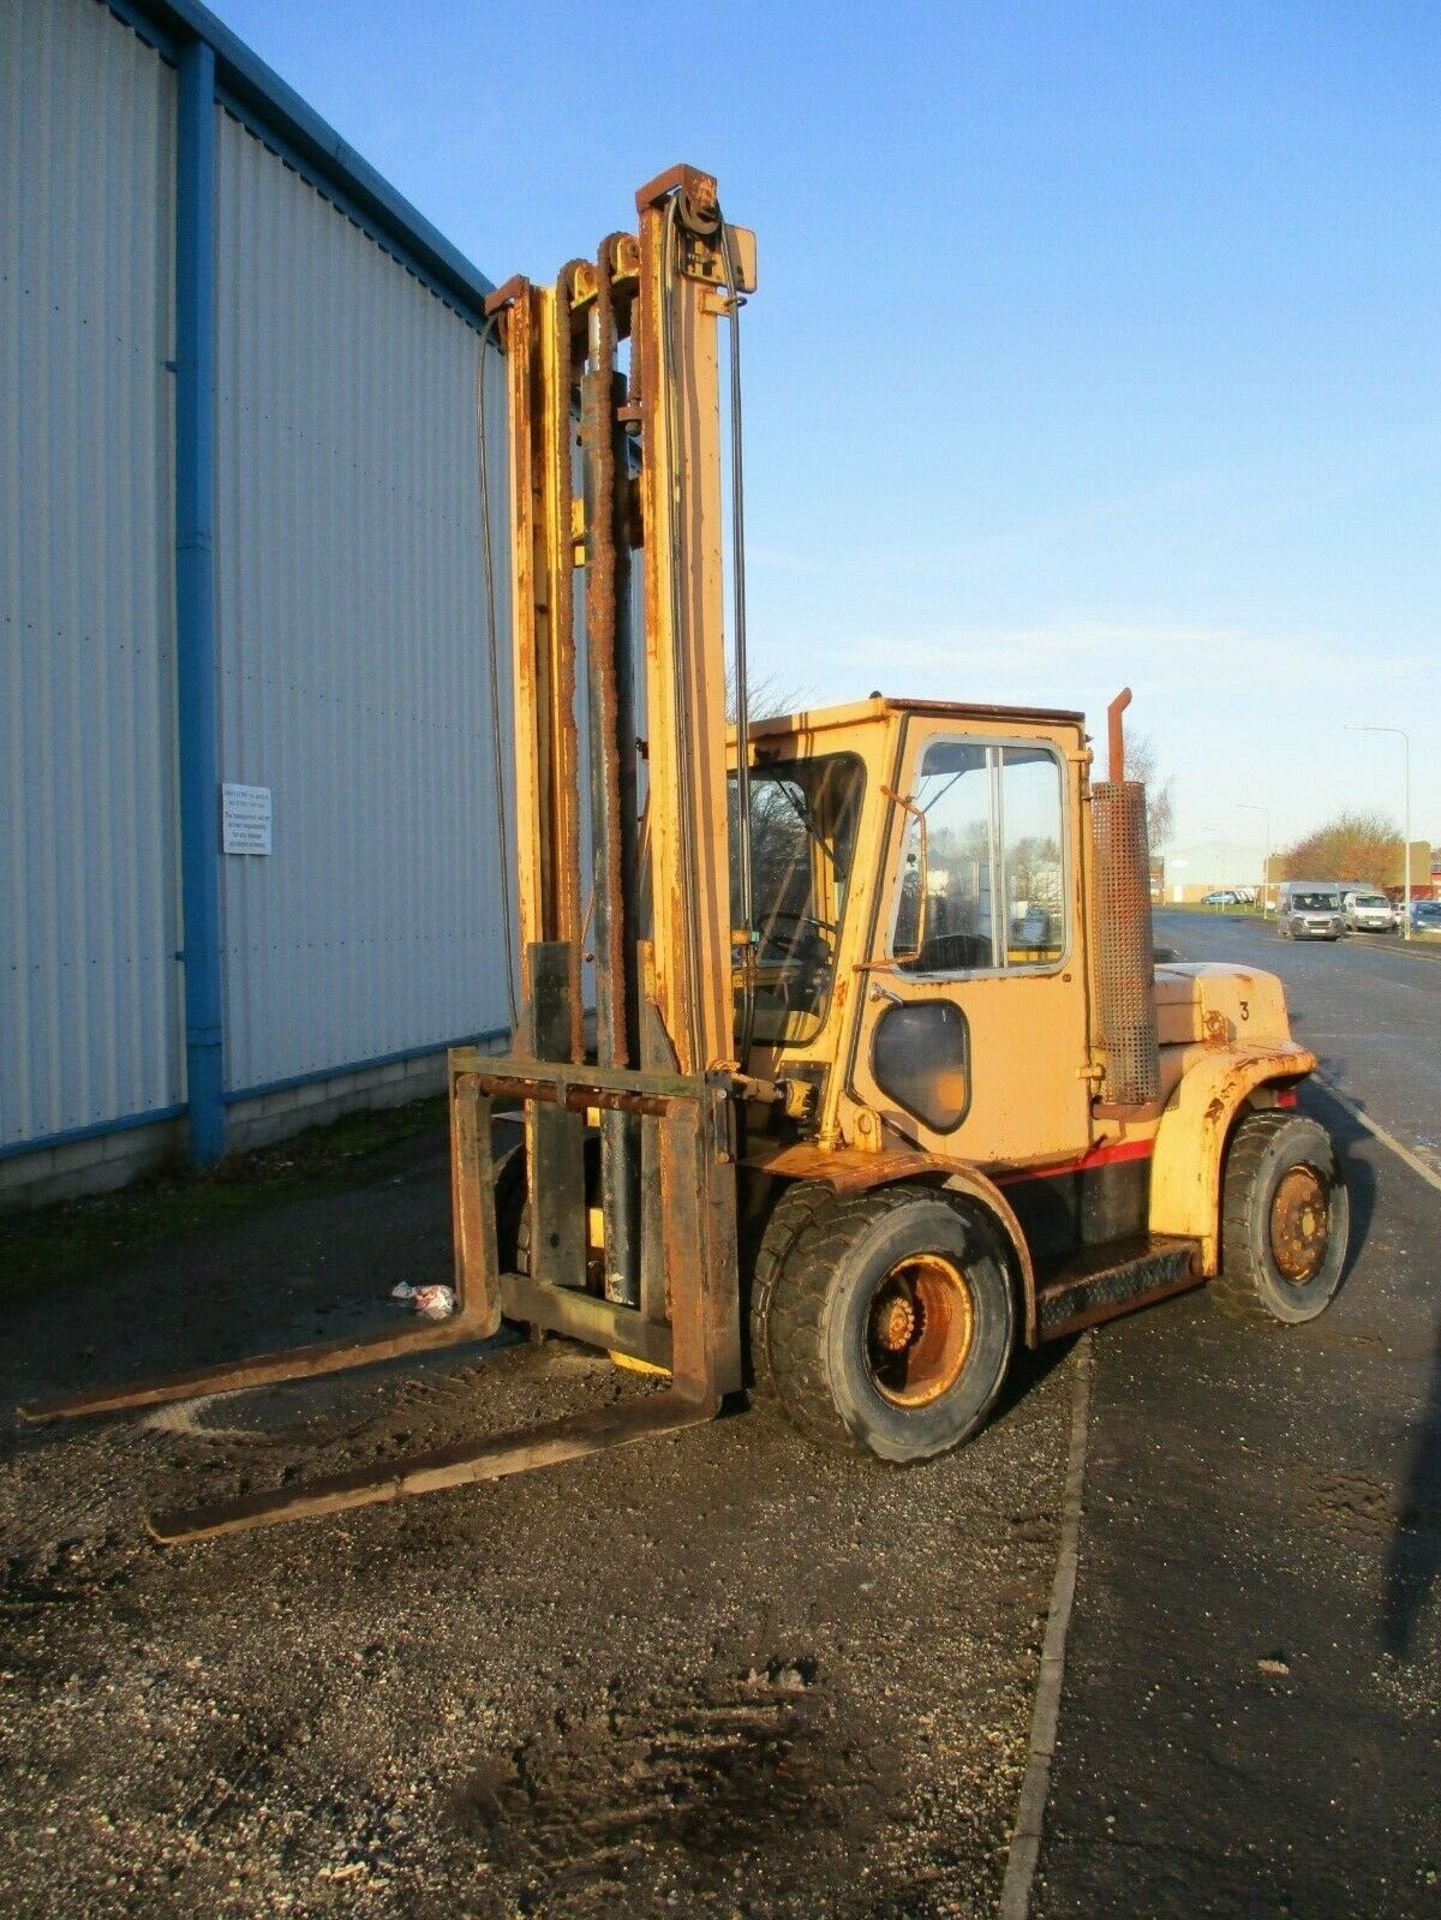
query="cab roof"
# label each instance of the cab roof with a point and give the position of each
(813, 719)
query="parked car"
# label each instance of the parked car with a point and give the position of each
(1366, 911)
(1224, 897)
(1426, 916)
(1309, 910)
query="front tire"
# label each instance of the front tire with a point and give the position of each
(1285, 1217)
(889, 1324)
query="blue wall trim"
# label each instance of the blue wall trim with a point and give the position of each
(363, 1066)
(96, 1131)
(99, 1128)
(140, 22)
(195, 598)
(327, 186)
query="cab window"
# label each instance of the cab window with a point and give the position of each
(804, 816)
(983, 887)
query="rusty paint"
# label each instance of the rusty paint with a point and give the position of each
(576, 1099)
(1116, 738)
(698, 187)
(845, 1170)
(1300, 1224)
(614, 1018)
(1107, 1155)
(1186, 1165)
(507, 295)
(564, 794)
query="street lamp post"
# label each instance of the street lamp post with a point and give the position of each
(1220, 832)
(1252, 806)
(1352, 727)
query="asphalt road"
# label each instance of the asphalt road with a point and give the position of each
(1368, 1006)
(1251, 1717)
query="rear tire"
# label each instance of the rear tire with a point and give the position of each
(1285, 1216)
(889, 1324)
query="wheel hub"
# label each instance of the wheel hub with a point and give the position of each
(920, 1329)
(896, 1323)
(1300, 1224)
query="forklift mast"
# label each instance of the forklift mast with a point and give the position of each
(648, 1128)
(648, 447)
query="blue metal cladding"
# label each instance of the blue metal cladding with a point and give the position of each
(90, 1031)
(195, 598)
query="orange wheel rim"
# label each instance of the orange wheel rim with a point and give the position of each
(920, 1329)
(1300, 1224)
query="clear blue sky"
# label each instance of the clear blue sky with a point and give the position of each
(1095, 343)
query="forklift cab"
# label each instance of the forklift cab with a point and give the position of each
(916, 953)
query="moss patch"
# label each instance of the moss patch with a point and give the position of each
(74, 1239)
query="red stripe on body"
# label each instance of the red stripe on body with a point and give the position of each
(1106, 1156)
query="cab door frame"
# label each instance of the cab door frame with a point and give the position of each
(1028, 1027)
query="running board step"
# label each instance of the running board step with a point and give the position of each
(1096, 1285)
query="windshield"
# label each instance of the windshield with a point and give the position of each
(993, 872)
(1372, 900)
(1315, 902)
(804, 815)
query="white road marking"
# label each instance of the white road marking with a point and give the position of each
(1035, 1788)
(1413, 1161)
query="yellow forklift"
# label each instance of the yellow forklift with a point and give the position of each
(884, 1079)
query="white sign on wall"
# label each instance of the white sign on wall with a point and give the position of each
(244, 818)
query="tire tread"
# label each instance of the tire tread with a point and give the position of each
(799, 1207)
(1236, 1289)
(795, 1302)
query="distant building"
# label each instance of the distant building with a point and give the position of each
(1209, 866)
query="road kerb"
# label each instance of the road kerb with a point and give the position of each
(1035, 1788)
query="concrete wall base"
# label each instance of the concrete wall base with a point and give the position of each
(97, 1165)
(112, 1160)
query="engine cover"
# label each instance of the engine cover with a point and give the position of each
(1206, 1000)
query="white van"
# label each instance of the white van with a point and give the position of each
(1367, 911)
(1309, 910)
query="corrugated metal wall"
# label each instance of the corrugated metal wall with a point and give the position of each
(352, 638)
(89, 1020)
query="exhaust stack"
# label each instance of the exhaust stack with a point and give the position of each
(1125, 969)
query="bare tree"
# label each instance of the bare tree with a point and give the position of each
(1160, 795)
(767, 694)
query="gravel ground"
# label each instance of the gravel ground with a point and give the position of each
(721, 1674)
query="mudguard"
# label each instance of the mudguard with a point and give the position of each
(1191, 1137)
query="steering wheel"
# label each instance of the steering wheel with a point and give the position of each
(800, 919)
